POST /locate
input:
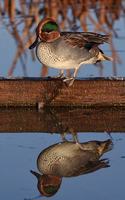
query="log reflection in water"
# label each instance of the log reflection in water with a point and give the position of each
(63, 120)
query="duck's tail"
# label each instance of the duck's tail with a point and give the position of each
(104, 146)
(102, 57)
(107, 57)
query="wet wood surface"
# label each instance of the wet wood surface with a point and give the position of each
(54, 92)
(60, 120)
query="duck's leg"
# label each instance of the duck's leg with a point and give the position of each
(109, 134)
(61, 74)
(75, 139)
(70, 80)
(63, 136)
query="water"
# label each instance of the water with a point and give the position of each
(33, 67)
(19, 149)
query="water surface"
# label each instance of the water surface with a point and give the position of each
(19, 150)
(18, 153)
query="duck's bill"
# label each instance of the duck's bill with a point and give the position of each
(34, 43)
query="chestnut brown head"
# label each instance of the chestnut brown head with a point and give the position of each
(47, 30)
(47, 185)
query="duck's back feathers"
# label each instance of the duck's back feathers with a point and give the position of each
(85, 39)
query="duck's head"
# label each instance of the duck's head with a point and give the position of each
(47, 30)
(47, 185)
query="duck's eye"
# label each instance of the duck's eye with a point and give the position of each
(50, 26)
(47, 30)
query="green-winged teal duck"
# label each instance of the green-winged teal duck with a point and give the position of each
(67, 159)
(67, 50)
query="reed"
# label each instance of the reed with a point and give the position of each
(24, 15)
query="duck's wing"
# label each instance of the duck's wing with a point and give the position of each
(92, 166)
(84, 39)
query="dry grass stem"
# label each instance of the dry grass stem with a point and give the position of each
(20, 21)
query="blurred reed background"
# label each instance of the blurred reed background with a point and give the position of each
(20, 18)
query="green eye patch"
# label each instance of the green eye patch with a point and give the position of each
(50, 26)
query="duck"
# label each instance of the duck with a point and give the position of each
(68, 159)
(67, 50)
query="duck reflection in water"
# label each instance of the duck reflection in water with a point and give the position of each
(68, 159)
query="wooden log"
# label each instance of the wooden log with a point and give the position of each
(60, 120)
(54, 92)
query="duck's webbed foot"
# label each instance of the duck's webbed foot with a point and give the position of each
(69, 81)
(61, 74)
(75, 139)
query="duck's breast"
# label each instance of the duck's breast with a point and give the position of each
(59, 54)
(63, 159)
